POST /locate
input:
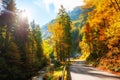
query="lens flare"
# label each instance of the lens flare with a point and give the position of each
(24, 13)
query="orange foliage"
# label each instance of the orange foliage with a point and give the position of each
(102, 32)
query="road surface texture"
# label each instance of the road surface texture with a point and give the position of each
(80, 71)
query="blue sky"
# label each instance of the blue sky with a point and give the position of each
(42, 11)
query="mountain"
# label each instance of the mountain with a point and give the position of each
(78, 17)
(74, 15)
(44, 30)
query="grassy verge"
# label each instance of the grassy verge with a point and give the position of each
(54, 74)
(57, 73)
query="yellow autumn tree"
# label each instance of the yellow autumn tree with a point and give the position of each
(101, 30)
(61, 35)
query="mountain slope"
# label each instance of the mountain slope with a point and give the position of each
(74, 15)
(78, 17)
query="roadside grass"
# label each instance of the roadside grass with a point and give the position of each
(56, 73)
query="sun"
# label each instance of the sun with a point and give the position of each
(24, 13)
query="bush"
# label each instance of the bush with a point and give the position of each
(117, 69)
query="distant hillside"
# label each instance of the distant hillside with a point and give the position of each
(74, 15)
(44, 30)
(77, 20)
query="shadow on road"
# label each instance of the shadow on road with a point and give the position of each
(80, 67)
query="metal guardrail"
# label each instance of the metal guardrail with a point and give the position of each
(64, 69)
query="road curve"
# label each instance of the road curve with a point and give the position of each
(80, 71)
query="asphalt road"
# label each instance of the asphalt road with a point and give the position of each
(80, 71)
